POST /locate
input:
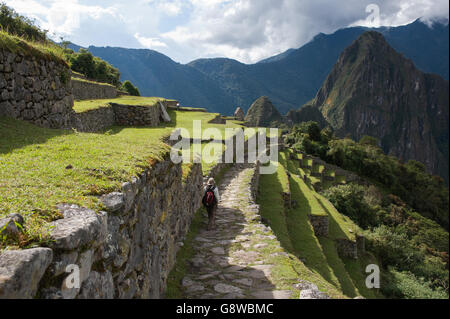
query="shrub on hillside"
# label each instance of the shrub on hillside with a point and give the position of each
(405, 285)
(349, 200)
(127, 86)
(93, 67)
(21, 26)
(396, 234)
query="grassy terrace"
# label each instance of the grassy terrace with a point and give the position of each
(295, 234)
(17, 44)
(89, 81)
(293, 229)
(33, 161)
(87, 105)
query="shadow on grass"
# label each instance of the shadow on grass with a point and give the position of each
(15, 134)
(302, 235)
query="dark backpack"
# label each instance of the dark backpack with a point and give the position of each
(209, 199)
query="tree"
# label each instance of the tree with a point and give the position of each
(130, 88)
(93, 68)
(21, 26)
(369, 140)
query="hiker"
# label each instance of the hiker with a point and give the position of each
(210, 200)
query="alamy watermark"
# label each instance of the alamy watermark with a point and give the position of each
(241, 145)
(373, 19)
(373, 279)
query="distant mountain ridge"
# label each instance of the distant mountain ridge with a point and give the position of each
(289, 79)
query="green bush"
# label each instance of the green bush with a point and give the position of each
(93, 67)
(130, 88)
(427, 194)
(403, 284)
(21, 26)
(349, 200)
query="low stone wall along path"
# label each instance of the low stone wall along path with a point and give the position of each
(233, 261)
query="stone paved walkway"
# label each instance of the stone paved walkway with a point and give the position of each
(232, 261)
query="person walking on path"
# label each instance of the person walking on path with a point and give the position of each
(210, 200)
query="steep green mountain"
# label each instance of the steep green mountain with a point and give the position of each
(373, 90)
(262, 113)
(289, 80)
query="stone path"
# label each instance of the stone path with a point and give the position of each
(231, 262)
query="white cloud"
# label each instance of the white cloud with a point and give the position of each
(61, 18)
(249, 30)
(150, 43)
(405, 11)
(246, 30)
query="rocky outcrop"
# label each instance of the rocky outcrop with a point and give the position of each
(35, 89)
(89, 90)
(126, 251)
(373, 90)
(262, 113)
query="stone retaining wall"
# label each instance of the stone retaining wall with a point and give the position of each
(35, 89)
(255, 182)
(347, 248)
(116, 114)
(349, 176)
(93, 120)
(129, 115)
(320, 224)
(86, 90)
(125, 252)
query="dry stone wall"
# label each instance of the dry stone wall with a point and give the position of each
(93, 120)
(129, 115)
(35, 90)
(127, 251)
(86, 90)
(117, 114)
(320, 224)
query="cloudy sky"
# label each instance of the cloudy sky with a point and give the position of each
(246, 30)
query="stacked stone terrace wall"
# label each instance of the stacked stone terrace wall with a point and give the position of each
(93, 120)
(320, 224)
(87, 90)
(116, 114)
(129, 115)
(126, 251)
(35, 89)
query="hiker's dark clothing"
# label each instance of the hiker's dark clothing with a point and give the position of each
(212, 209)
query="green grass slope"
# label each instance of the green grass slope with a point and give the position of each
(318, 253)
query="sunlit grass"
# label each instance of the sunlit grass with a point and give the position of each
(40, 168)
(16, 44)
(87, 105)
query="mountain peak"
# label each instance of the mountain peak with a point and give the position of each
(262, 113)
(374, 90)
